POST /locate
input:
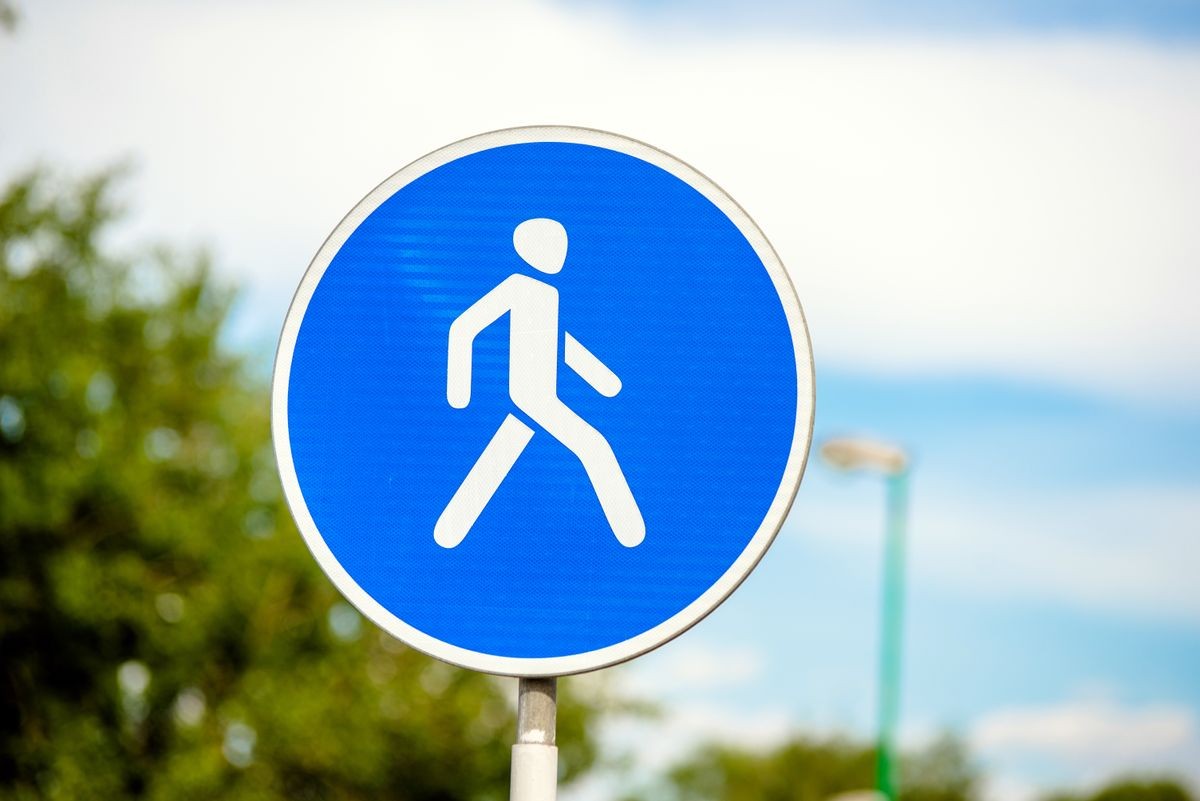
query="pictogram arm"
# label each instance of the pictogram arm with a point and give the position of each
(482, 313)
(590, 368)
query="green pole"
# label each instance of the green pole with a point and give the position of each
(892, 616)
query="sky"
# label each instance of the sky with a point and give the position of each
(988, 212)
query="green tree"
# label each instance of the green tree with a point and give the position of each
(165, 633)
(942, 771)
(1133, 789)
(8, 16)
(808, 769)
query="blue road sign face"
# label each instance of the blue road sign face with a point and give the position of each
(542, 401)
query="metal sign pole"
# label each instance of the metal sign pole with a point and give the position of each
(535, 756)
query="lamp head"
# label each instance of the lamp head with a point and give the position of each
(856, 453)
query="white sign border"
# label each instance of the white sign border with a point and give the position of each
(693, 612)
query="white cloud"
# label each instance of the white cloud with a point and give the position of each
(1010, 788)
(1130, 549)
(691, 665)
(654, 745)
(691, 724)
(1093, 730)
(1013, 207)
(682, 680)
(1092, 739)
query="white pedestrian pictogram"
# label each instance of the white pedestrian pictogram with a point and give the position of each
(532, 306)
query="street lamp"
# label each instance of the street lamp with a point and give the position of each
(890, 461)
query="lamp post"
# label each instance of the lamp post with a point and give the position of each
(890, 461)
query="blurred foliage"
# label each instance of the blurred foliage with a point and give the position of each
(1132, 789)
(165, 633)
(808, 769)
(8, 15)
(812, 769)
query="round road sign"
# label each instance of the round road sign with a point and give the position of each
(542, 400)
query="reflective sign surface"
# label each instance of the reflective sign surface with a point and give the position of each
(542, 401)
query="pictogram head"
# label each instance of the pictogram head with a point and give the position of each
(542, 243)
